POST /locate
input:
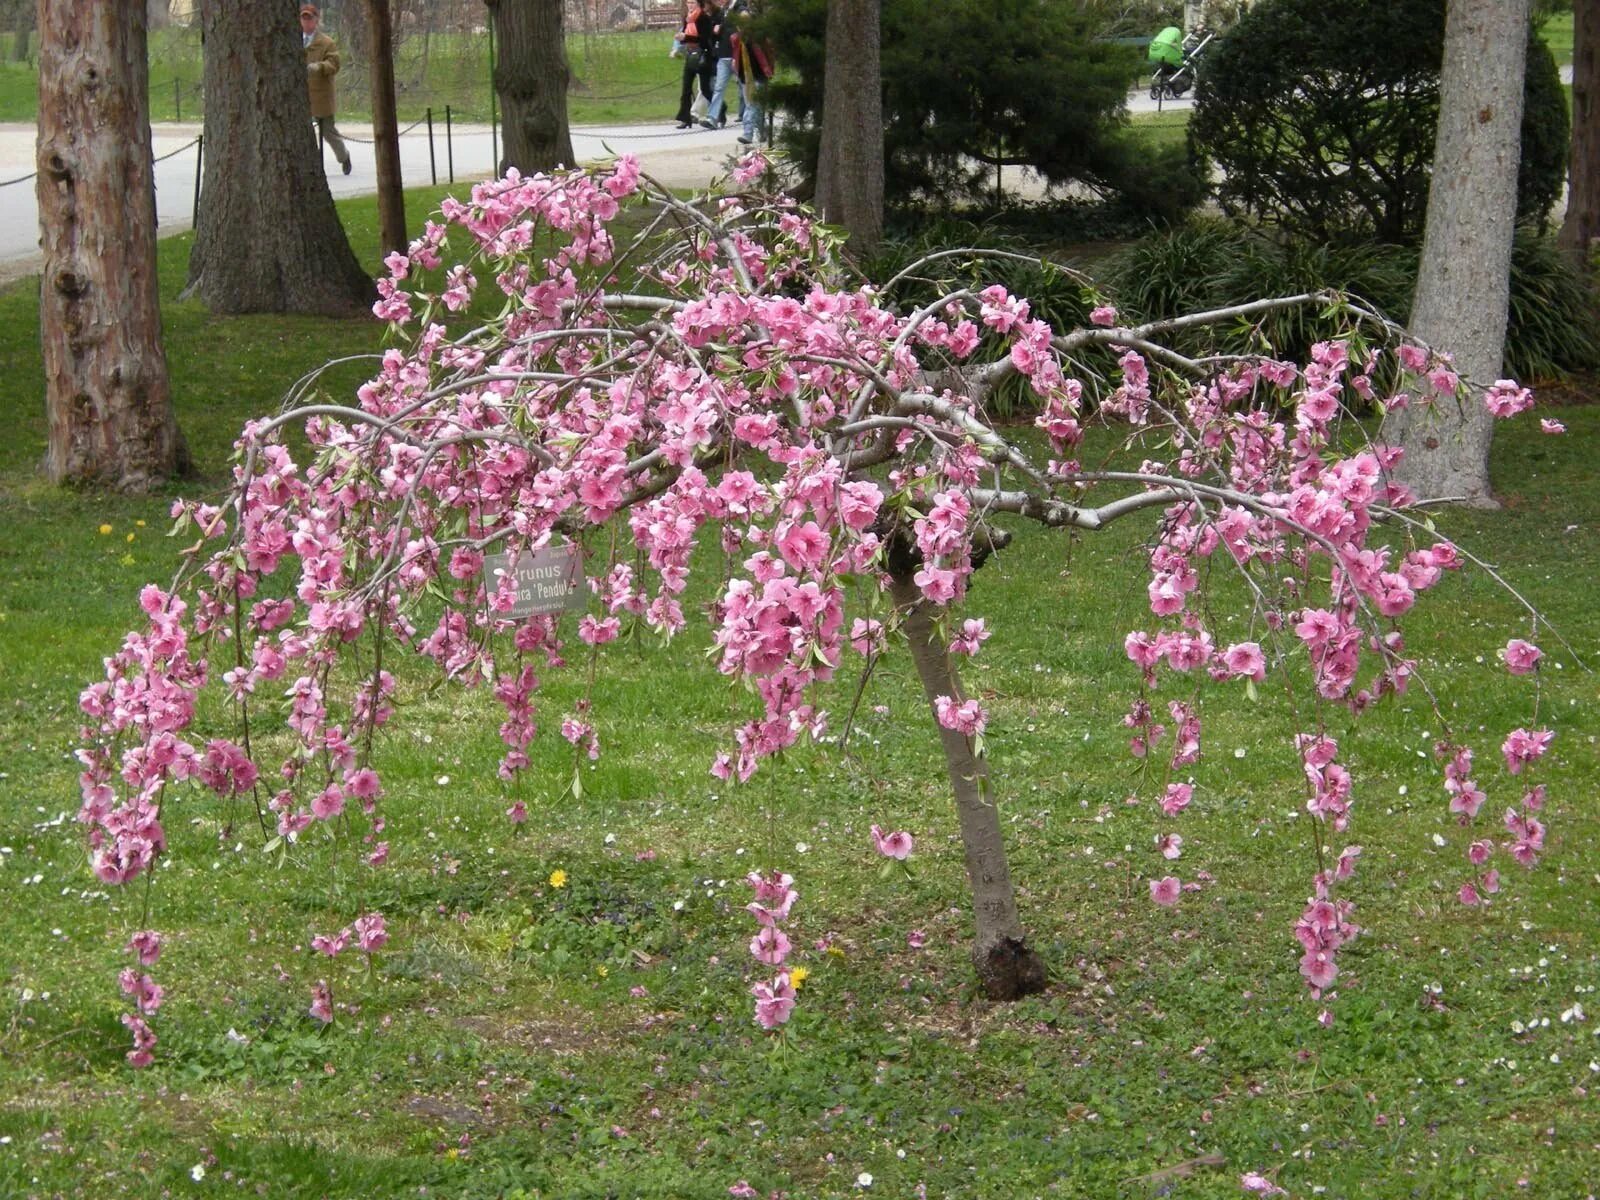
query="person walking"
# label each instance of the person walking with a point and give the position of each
(697, 39)
(717, 115)
(753, 62)
(322, 64)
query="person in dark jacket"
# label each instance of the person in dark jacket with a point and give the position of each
(726, 32)
(698, 42)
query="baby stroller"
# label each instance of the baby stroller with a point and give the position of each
(1176, 56)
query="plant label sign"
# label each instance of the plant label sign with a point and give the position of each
(548, 580)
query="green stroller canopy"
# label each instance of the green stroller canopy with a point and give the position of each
(1167, 46)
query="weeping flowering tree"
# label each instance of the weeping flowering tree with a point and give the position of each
(833, 444)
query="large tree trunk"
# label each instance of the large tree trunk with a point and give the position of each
(850, 162)
(530, 77)
(268, 238)
(1582, 224)
(1007, 967)
(110, 414)
(386, 130)
(1463, 285)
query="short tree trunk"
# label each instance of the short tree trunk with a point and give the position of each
(1007, 967)
(386, 130)
(850, 161)
(106, 396)
(1582, 224)
(1463, 285)
(530, 77)
(268, 237)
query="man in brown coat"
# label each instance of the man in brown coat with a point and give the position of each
(322, 64)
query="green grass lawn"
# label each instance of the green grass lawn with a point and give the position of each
(617, 77)
(499, 1050)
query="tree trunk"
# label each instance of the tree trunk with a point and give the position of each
(268, 238)
(386, 131)
(1007, 967)
(530, 77)
(106, 397)
(160, 13)
(22, 31)
(1582, 224)
(850, 161)
(1463, 283)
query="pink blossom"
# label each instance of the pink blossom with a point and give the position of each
(1546, 425)
(1104, 315)
(371, 932)
(892, 845)
(321, 1002)
(1260, 1185)
(147, 945)
(1521, 657)
(771, 945)
(1506, 399)
(1523, 747)
(331, 944)
(916, 939)
(967, 717)
(774, 1001)
(1245, 661)
(1166, 891)
(1170, 845)
(1177, 798)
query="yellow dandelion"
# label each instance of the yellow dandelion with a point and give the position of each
(131, 537)
(835, 952)
(558, 878)
(105, 529)
(797, 977)
(140, 524)
(602, 971)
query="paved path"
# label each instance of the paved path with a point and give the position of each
(689, 158)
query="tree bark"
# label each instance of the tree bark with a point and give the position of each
(850, 159)
(1007, 967)
(1463, 284)
(530, 77)
(106, 395)
(1582, 224)
(386, 131)
(268, 237)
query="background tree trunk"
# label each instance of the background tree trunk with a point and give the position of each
(850, 162)
(160, 13)
(386, 130)
(1582, 224)
(106, 397)
(268, 238)
(23, 20)
(1463, 283)
(530, 77)
(1007, 967)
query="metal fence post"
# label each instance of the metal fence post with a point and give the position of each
(199, 156)
(449, 147)
(433, 168)
(177, 98)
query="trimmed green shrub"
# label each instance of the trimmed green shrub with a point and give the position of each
(1322, 117)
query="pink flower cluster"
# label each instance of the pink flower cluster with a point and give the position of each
(775, 896)
(146, 994)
